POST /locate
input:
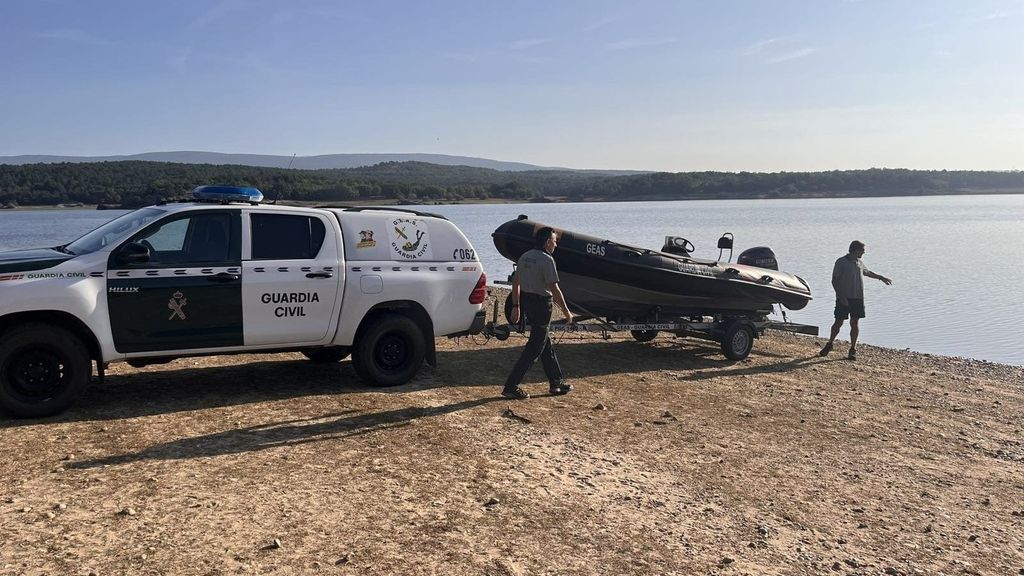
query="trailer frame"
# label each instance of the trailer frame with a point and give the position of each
(735, 332)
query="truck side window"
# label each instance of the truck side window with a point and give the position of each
(169, 237)
(196, 238)
(209, 240)
(286, 237)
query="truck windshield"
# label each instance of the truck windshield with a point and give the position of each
(114, 231)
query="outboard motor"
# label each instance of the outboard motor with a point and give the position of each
(760, 256)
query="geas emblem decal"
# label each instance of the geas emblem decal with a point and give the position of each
(176, 303)
(366, 239)
(409, 239)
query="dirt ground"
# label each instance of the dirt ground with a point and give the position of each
(665, 459)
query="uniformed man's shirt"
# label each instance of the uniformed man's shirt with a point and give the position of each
(536, 269)
(848, 277)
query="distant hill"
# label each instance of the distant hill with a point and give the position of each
(326, 161)
(272, 161)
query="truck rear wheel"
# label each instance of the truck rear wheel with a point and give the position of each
(738, 340)
(326, 355)
(43, 370)
(390, 351)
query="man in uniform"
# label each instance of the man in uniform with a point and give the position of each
(847, 279)
(534, 286)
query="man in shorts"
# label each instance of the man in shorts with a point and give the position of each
(848, 282)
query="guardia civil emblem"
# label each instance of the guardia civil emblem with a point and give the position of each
(176, 305)
(409, 239)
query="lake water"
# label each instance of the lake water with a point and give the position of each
(955, 261)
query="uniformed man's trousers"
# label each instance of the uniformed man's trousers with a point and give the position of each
(537, 308)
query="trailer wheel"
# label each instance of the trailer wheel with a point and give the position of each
(43, 370)
(644, 335)
(738, 340)
(390, 351)
(519, 326)
(328, 355)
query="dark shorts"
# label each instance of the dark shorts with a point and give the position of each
(853, 309)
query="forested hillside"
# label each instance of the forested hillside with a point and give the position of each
(135, 183)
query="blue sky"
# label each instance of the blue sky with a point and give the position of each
(654, 85)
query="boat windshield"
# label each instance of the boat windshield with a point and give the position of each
(114, 231)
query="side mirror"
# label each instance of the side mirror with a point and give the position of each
(133, 253)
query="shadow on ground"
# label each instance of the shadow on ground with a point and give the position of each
(254, 438)
(171, 389)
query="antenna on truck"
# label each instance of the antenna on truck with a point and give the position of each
(288, 167)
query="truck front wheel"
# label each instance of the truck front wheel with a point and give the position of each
(390, 351)
(43, 370)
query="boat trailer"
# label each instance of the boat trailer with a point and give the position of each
(736, 333)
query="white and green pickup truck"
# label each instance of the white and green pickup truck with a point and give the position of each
(221, 273)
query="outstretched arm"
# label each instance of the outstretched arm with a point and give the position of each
(871, 274)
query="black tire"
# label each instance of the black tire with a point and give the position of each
(644, 335)
(326, 355)
(43, 370)
(389, 351)
(738, 340)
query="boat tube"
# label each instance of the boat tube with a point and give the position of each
(604, 278)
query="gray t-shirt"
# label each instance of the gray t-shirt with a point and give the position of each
(848, 278)
(535, 270)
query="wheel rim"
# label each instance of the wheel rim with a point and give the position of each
(36, 374)
(392, 353)
(740, 341)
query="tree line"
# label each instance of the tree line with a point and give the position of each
(130, 184)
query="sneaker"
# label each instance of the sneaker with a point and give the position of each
(851, 355)
(516, 393)
(825, 350)
(560, 388)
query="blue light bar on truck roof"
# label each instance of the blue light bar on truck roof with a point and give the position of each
(227, 194)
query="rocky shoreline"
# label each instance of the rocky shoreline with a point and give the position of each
(665, 459)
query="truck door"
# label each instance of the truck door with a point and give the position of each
(188, 295)
(292, 274)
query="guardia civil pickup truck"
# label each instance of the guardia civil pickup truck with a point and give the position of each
(221, 273)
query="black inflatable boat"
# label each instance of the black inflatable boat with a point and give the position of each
(607, 279)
